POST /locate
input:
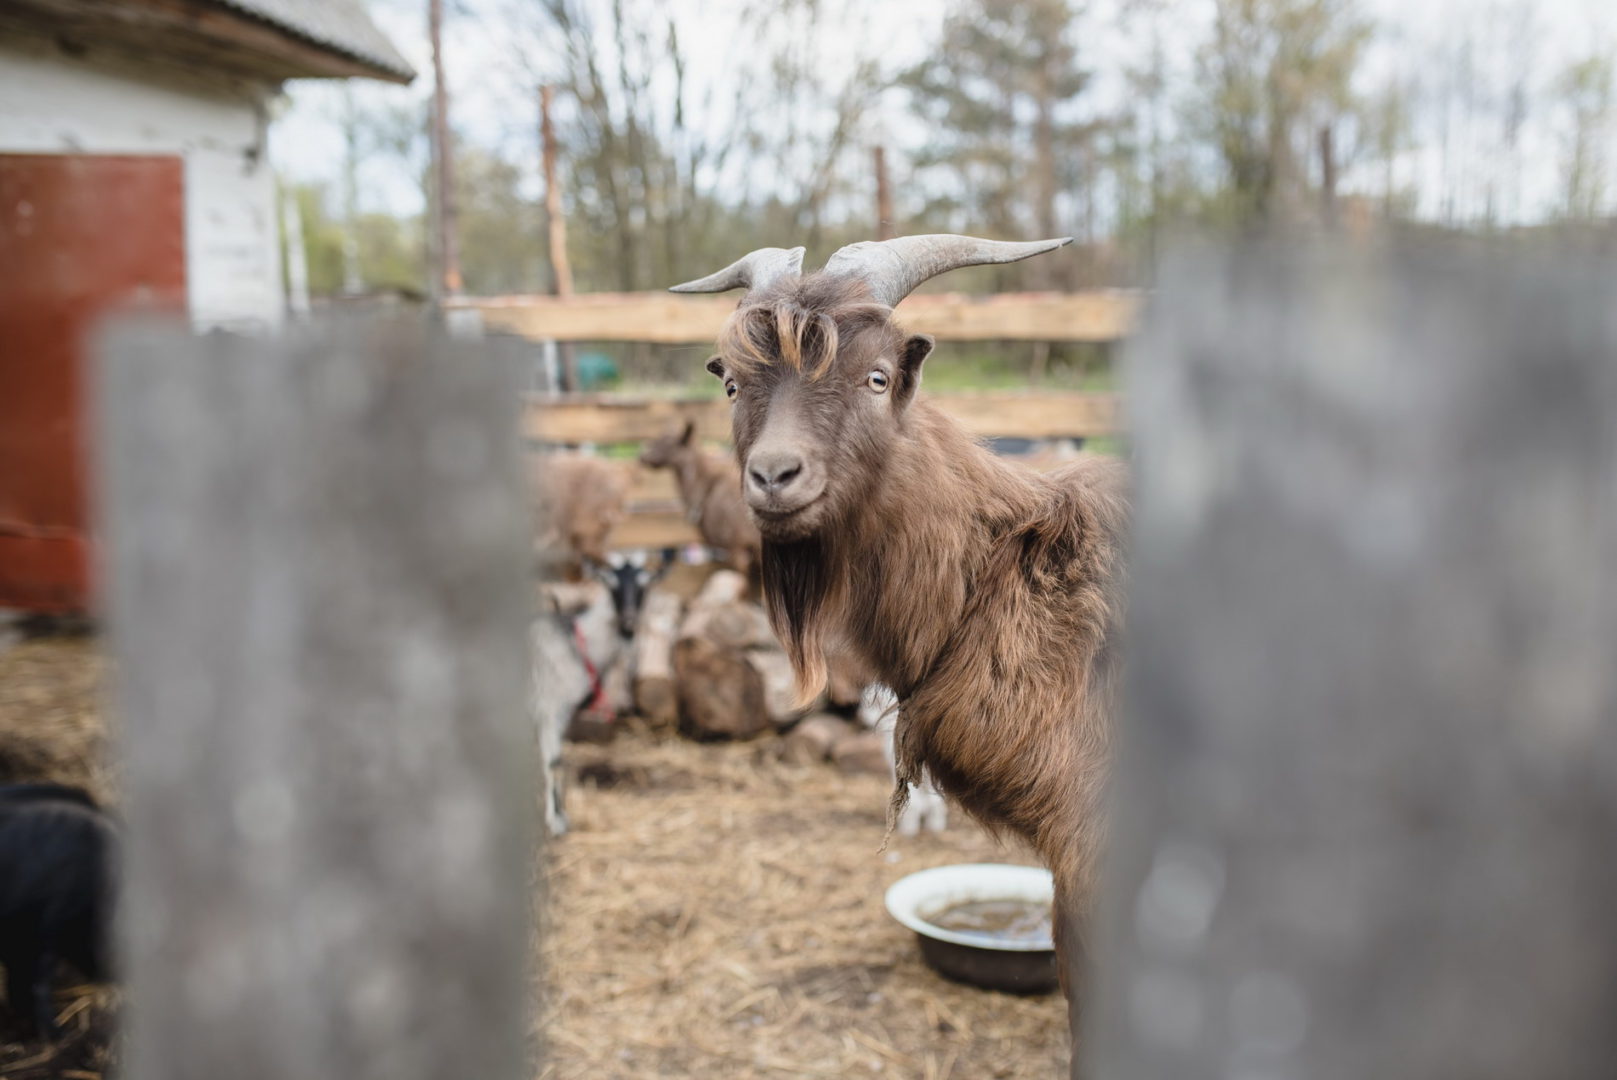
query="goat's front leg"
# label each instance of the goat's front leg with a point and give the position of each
(44, 1001)
(1067, 929)
(28, 992)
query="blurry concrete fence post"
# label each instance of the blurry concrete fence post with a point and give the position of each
(315, 567)
(1368, 783)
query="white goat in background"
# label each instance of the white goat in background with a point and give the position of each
(575, 643)
(926, 808)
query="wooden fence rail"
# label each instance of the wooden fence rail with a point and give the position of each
(317, 586)
(1097, 316)
(610, 418)
(657, 520)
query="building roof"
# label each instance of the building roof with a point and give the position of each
(278, 39)
(339, 25)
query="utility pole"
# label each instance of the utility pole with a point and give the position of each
(353, 282)
(561, 280)
(297, 258)
(1327, 173)
(884, 196)
(446, 273)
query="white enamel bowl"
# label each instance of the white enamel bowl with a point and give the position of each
(1026, 967)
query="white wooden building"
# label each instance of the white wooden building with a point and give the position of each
(191, 79)
(134, 170)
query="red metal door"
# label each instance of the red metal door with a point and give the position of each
(80, 235)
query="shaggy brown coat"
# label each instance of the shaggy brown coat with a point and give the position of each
(578, 501)
(985, 594)
(710, 488)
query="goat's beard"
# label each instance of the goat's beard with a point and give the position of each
(798, 587)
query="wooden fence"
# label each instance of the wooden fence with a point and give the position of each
(1363, 818)
(612, 418)
(656, 518)
(664, 318)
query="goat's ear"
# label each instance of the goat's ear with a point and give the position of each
(715, 367)
(690, 430)
(917, 347)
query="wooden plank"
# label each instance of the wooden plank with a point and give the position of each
(1096, 316)
(1363, 824)
(654, 530)
(609, 418)
(613, 419)
(317, 585)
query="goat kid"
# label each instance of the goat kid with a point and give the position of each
(578, 501)
(710, 488)
(628, 576)
(582, 634)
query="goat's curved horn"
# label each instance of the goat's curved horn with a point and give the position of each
(753, 271)
(893, 268)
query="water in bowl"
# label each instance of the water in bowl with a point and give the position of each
(1019, 922)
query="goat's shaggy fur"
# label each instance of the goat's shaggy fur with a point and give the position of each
(579, 500)
(986, 595)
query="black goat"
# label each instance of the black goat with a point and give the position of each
(58, 873)
(629, 577)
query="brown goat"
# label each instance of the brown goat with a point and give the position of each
(985, 594)
(710, 488)
(578, 500)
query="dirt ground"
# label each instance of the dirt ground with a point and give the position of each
(713, 913)
(719, 914)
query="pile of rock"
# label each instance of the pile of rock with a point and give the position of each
(714, 669)
(825, 736)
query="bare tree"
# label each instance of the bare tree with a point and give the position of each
(1585, 92)
(446, 280)
(997, 94)
(1274, 73)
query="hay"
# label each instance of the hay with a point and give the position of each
(50, 714)
(717, 913)
(714, 913)
(51, 729)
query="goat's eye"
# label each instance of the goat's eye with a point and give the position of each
(730, 388)
(877, 381)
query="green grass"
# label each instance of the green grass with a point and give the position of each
(1110, 445)
(962, 370)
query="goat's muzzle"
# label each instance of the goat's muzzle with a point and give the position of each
(780, 485)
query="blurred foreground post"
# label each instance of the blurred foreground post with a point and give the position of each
(1368, 790)
(316, 582)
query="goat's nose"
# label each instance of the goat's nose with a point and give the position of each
(774, 471)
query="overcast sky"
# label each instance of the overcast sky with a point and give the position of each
(494, 104)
